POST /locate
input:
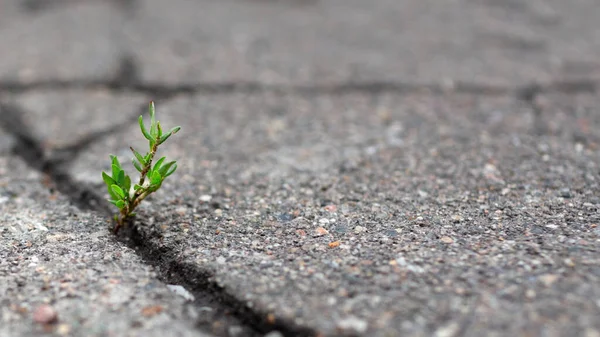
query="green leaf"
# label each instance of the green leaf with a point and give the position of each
(166, 136)
(175, 130)
(138, 156)
(155, 178)
(127, 185)
(165, 168)
(120, 175)
(137, 165)
(115, 171)
(151, 110)
(115, 161)
(132, 214)
(113, 195)
(153, 130)
(158, 163)
(143, 127)
(173, 168)
(119, 203)
(108, 180)
(159, 133)
(118, 191)
(136, 187)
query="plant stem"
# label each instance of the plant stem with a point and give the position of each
(141, 193)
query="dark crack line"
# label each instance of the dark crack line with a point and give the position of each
(375, 87)
(65, 155)
(39, 6)
(197, 280)
(29, 148)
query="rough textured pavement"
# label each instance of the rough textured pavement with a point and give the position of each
(388, 168)
(54, 254)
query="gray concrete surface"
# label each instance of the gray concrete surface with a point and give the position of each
(346, 168)
(56, 254)
(302, 41)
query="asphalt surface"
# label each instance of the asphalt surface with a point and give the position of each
(391, 168)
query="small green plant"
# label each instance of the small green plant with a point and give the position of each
(125, 196)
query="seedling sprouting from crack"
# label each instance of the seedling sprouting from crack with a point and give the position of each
(127, 197)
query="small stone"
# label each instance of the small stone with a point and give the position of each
(285, 217)
(45, 314)
(548, 279)
(205, 198)
(340, 229)
(590, 332)
(320, 231)
(449, 330)
(221, 260)
(331, 208)
(359, 229)
(235, 331)
(181, 291)
(447, 239)
(274, 334)
(569, 262)
(63, 329)
(334, 244)
(324, 221)
(391, 233)
(565, 193)
(152, 310)
(457, 218)
(218, 212)
(353, 324)
(530, 294)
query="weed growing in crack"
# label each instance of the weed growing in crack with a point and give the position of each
(127, 197)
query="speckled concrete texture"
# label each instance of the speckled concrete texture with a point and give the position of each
(53, 254)
(385, 214)
(346, 168)
(301, 41)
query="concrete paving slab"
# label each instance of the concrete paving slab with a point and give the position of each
(303, 42)
(307, 210)
(382, 215)
(85, 113)
(71, 42)
(63, 274)
(386, 40)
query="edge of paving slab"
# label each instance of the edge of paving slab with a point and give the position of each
(199, 282)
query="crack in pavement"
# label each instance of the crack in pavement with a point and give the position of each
(55, 163)
(38, 6)
(198, 281)
(124, 83)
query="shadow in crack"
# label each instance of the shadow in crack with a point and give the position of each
(126, 80)
(38, 6)
(65, 155)
(224, 306)
(29, 148)
(128, 72)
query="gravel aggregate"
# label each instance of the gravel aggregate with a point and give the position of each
(386, 214)
(63, 274)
